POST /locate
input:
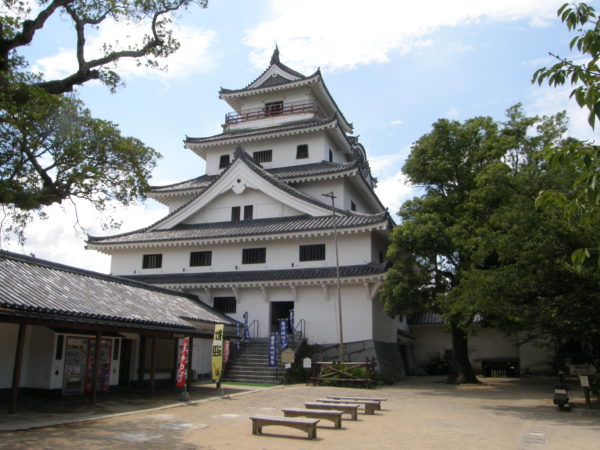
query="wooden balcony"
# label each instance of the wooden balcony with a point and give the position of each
(274, 109)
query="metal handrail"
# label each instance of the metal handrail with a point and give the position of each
(255, 324)
(262, 112)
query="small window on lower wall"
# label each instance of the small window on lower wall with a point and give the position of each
(224, 304)
(302, 151)
(254, 255)
(201, 258)
(312, 252)
(152, 261)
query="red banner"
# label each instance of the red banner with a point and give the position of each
(225, 352)
(183, 362)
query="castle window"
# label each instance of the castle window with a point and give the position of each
(254, 255)
(273, 108)
(248, 210)
(330, 155)
(152, 261)
(263, 156)
(223, 161)
(235, 213)
(201, 258)
(302, 151)
(312, 252)
(352, 206)
(225, 305)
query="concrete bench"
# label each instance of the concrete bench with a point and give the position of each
(346, 408)
(308, 425)
(359, 399)
(326, 414)
(370, 406)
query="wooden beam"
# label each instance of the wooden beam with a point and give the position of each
(141, 360)
(14, 394)
(153, 366)
(189, 367)
(95, 366)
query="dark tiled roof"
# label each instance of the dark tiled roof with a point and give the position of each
(435, 319)
(262, 275)
(34, 286)
(243, 228)
(309, 170)
(195, 183)
(242, 133)
(283, 173)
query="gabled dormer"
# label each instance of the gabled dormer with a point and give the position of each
(278, 96)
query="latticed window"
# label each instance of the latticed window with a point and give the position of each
(224, 304)
(263, 156)
(223, 161)
(152, 261)
(235, 213)
(273, 108)
(248, 212)
(302, 151)
(312, 252)
(201, 258)
(254, 255)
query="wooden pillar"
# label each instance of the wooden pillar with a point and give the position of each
(189, 368)
(153, 365)
(14, 394)
(176, 356)
(141, 360)
(95, 366)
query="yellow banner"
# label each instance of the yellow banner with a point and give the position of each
(217, 352)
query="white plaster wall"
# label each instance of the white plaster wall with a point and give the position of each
(385, 328)
(8, 347)
(353, 249)
(39, 357)
(176, 202)
(316, 189)
(490, 343)
(536, 357)
(264, 207)
(284, 151)
(301, 94)
(430, 340)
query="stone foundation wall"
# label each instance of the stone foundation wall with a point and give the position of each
(387, 355)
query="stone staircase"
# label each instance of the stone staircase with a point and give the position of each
(252, 365)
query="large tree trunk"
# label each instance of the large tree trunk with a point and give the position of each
(460, 369)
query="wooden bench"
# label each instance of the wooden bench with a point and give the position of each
(370, 406)
(346, 408)
(308, 425)
(359, 399)
(326, 414)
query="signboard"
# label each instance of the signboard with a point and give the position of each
(306, 363)
(225, 352)
(288, 356)
(217, 352)
(183, 360)
(283, 333)
(273, 350)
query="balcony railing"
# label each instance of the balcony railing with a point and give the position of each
(274, 110)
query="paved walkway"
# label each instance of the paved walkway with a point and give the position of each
(421, 413)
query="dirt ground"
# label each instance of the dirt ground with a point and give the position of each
(420, 413)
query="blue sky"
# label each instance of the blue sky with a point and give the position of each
(393, 67)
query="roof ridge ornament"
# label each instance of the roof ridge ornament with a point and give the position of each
(275, 56)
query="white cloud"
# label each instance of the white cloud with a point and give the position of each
(60, 240)
(392, 188)
(344, 34)
(452, 113)
(392, 123)
(544, 100)
(191, 58)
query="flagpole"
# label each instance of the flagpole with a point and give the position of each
(337, 275)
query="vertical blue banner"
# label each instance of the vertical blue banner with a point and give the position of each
(283, 333)
(237, 333)
(292, 324)
(273, 350)
(246, 330)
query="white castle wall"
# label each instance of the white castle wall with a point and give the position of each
(281, 254)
